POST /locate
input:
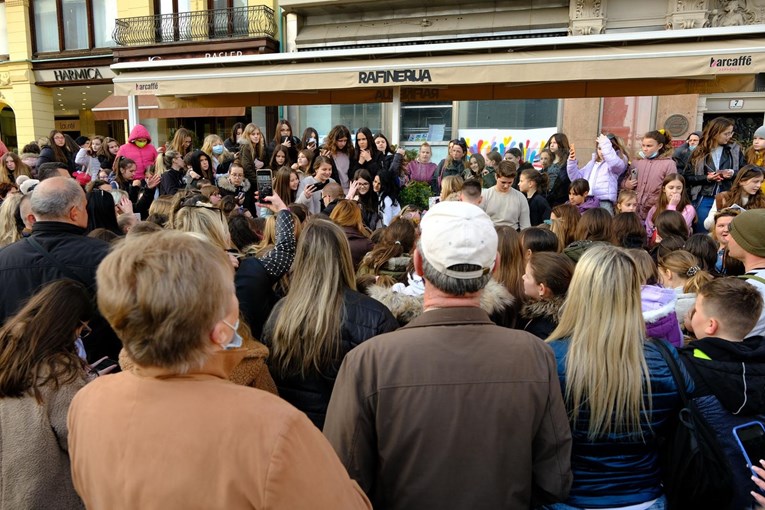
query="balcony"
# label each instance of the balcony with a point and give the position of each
(196, 26)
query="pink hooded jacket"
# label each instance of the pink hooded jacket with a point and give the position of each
(143, 157)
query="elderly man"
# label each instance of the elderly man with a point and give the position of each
(57, 249)
(452, 411)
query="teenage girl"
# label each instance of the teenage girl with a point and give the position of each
(712, 166)
(422, 169)
(279, 158)
(338, 148)
(654, 165)
(530, 183)
(674, 198)
(679, 270)
(545, 284)
(755, 155)
(746, 193)
(303, 164)
(475, 170)
(557, 191)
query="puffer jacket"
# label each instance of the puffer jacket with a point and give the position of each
(541, 317)
(659, 315)
(455, 168)
(559, 182)
(730, 391)
(650, 175)
(603, 176)
(143, 157)
(617, 469)
(47, 156)
(421, 172)
(363, 318)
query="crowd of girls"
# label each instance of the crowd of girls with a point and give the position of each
(328, 261)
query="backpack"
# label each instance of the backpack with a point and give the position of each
(696, 471)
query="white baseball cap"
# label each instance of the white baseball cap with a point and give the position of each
(455, 233)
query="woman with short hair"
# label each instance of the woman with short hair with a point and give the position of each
(179, 433)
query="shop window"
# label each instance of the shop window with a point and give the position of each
(324, 117)
(629, 118)
(66, 25)
(508, 114)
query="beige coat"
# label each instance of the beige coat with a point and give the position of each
(152, 439)
(33, 451)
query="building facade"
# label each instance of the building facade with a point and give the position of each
(499, 74)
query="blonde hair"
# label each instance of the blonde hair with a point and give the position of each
(206, 221)
(606, 370)
(624, 196)
(313, 343)
(207, 148)
(450, 184)
(9, 233)
(21, 167)
(685, 265)
(145, 293)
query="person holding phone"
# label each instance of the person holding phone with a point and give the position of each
(309, 192)
(235, 184)
(728, 368)
(712, 166)
(283, 136)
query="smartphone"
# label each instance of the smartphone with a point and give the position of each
(285, 138)
(318, 186)
(633, 174)
(264, 180)
(751, 439)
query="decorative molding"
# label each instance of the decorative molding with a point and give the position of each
(17, 3)
(685, 14)
(5, 79)
(587, 17)
(733, 13)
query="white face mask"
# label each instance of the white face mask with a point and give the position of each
(237, 341)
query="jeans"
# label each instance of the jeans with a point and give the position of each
(659, 504)
(703, 205)
(607, 205)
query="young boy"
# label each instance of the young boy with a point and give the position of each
(578, 195)
(728, 370)
(504, 204)
(471, 192)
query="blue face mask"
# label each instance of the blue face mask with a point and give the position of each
(217, 150)
(652, 156)
(236, 342)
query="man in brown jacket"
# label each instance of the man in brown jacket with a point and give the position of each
(452, 411)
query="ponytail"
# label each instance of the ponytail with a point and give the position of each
(663, 137)
(541, 179)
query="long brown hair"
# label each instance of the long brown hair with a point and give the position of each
(397, 239)
(282, 184)
(21, 168)
(37, 344)
(511, 263)
(313, 343)
(336, 134)
(708, 142)
(664, 201)
(736, 193)
(60, 154)
(594, 225)
(565, 222)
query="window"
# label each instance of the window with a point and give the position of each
(508, 114)
(324, 117)
(66, 25)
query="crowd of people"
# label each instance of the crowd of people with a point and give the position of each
(179, 333)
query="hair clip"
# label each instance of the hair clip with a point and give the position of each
(692, 271)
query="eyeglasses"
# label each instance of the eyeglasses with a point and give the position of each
(363, 185)
(85, 331)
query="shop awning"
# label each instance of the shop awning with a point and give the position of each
(649, 69)
(114, 107)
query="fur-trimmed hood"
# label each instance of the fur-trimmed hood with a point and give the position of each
(223, 183)
(404, 308)
(543, 308)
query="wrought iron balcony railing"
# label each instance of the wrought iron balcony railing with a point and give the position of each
(234, 23)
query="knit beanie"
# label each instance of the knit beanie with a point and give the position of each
(748, 229)
(760, 132)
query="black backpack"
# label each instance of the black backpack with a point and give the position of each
(696, 471)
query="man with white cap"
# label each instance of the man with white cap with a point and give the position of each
(452, 411)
